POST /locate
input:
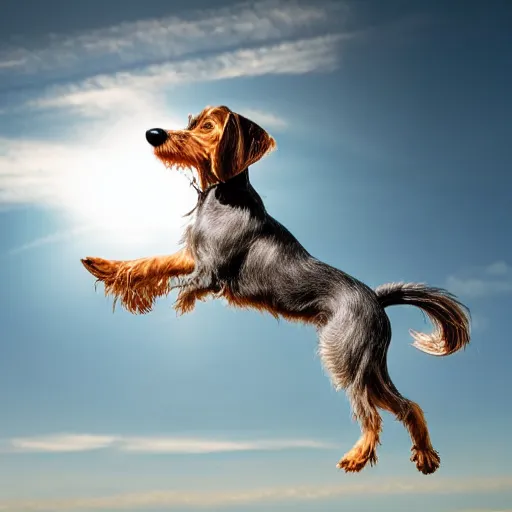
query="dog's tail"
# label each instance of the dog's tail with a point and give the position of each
(451, 319)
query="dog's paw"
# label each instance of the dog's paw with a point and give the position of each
(356, 459)
(427, 461)
(100, 268)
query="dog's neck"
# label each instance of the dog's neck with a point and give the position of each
(237, 192)
(241, 180)
(237, 182)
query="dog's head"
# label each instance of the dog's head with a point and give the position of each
(218, 144)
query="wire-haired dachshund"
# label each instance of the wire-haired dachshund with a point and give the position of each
(234, 249)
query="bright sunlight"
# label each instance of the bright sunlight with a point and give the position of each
(105, 176)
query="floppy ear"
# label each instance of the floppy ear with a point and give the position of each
(242, 143)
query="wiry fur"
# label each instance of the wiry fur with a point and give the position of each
(234, 249)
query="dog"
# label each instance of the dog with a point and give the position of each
(235, 250)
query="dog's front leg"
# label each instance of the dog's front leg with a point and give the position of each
(194, 287)
(137, 283)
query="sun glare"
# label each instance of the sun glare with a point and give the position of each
(118, 186)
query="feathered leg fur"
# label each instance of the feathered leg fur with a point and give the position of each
(138, 283)
(353, 348)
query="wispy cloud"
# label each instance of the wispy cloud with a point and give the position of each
(10, 64)
(188, 445)
(498, 268)
(57, 443)
(268, 119)
(58, 236)
(494, 279)
(317, 54)
(60, 443)
(168, 38)
(171, 499)
(247, 39)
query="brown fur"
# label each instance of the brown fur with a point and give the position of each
(218, 144)
(138, 283)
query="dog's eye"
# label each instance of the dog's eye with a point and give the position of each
(207, 126)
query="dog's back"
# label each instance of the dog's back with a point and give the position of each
(256, 261)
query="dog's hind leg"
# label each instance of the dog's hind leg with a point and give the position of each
(137, 283)
(411, 415)
(346, 348)
(353, 347)
(365, 449)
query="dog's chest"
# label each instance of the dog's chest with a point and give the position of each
(220, 231)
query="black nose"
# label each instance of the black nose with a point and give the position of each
(156, 136)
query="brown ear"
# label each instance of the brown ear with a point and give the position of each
(242, 143)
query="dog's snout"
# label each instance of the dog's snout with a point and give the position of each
(156, 136)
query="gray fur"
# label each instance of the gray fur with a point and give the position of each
(239, 247)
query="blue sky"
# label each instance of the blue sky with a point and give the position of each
(392, 121)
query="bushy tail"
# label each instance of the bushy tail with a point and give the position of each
(451, 319)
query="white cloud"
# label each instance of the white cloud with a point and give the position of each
(95, 102)
(199, 498)
(56, 443)
(316, 54)
(171, 37)
(494, 279)
(190, 445)
(478, 287)
(267, 119)
(499, 268)
(245, 40)
(60, 443)
(9, 64)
